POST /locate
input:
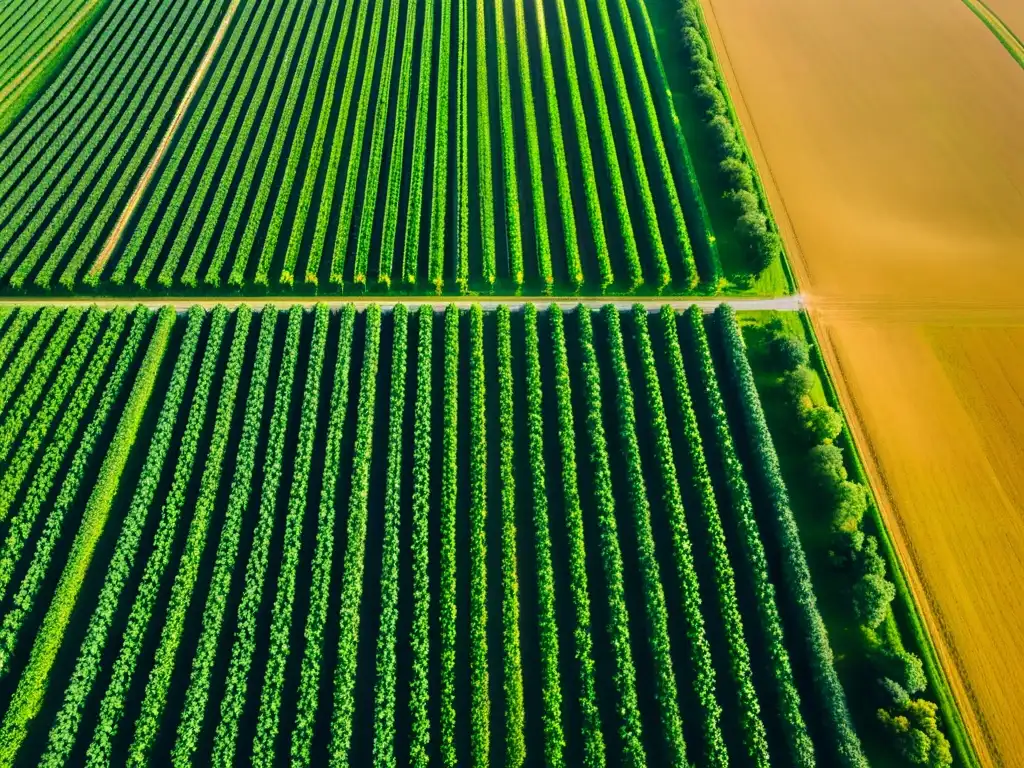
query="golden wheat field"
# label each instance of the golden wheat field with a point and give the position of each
(891, 138)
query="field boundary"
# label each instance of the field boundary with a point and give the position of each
(1006, 37)
(956, 728)
(742, 136)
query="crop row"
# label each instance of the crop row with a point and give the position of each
(242, 195)
(452, 666)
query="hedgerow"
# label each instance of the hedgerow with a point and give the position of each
(323, 555)
(753, 229)
(460, 209)
(514, 234)
(225, 737)
(754, 734)
(396, 165)
(385, 693)
(414, 211)
(419, 686)
(796, 573)
(114, 699)
(593, 738)
(798, 741)
(211, 209)
(268, 721)
(700, 650)
(611, 157)
(27, 698)
(654, 594)
(22, 409)
(515, 740)
(198, 691)
(316, 152)
(439, 184)
(26, 353)
(56, 449)
(81, 388)
(159, 682)
(479, 679)
(627, 705)
(355, 157)
(355, 548)
(371, 183)
(547, 617)
(283, 192)
(449, 496)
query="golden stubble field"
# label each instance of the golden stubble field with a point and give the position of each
(891, 139)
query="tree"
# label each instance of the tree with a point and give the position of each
(826, 465)
(789, 352)
(798, 383)
(822, 422)
(872, 595)
(914, 727)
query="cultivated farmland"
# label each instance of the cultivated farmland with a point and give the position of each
(333, 537)
(893, 135)
(433, 146)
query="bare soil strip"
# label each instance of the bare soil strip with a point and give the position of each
(43, 56)
(165, 142)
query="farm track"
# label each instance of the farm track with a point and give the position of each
(165, 142)
(182, 303)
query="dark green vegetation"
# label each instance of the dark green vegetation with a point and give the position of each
(468, 537)
(899, 702)
(435, 145)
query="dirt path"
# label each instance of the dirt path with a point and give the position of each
(165, 142)
(70, 29)
(784, 303)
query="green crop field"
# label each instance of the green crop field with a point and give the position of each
(442, 146)
(313, 537)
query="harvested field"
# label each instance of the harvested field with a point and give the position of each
(889, 139)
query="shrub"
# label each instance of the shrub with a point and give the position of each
(914, 726)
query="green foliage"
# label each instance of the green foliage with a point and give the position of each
(825, 466)
(419, 694)
(547, 617)
(283, 192)
(371, 182)
(515, 739)
(26, 354)
(28, 696)
(593, 739)
(798, 383)
(627, 706)
(485, 178)
(914, 727)
(796, 574)
(113, 703)
(789, 351)
(159, 683)
(822, 422)
(355, 547)
(67, 377)
(387, 658)
(872, 595)
(268, 722)
(611, 157)
(198, 691)
(316, 619)
(654, 594)
(439, 184)
(449, 495)
(389, 231)
(244, 645)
